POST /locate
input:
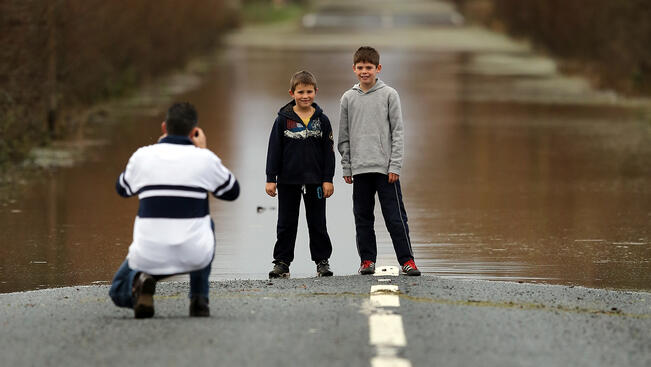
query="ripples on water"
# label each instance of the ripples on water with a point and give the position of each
(496, 184)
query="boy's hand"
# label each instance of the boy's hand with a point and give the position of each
(393, 177)
(328, 189)
(198, 138)
(348, 179)
(270, 188)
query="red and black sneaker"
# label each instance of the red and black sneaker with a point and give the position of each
(367, 267)
(409, 268)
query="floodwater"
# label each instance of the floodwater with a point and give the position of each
(498, 185)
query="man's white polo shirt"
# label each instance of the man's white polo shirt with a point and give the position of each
(173, 232)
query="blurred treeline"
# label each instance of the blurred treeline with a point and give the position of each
(269, 11)
(609, 40)
(57, 55)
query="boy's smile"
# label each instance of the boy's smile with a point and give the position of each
(303, 94)
(366, 73)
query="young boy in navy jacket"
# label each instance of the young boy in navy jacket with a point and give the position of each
(301, 162)
(173, 232)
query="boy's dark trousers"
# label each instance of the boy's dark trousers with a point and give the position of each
(289, 201)
(393, 210)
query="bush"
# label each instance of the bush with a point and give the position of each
(58, 54)
(609, 39)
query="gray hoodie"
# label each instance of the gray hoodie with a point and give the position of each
(371, 130)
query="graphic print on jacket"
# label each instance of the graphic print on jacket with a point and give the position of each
(300, 154)
(297, 130)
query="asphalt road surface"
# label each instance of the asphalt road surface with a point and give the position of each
(338, 321)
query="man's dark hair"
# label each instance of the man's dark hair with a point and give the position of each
(302, 77)
(181, 119)
(367, 54)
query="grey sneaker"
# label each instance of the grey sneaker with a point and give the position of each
(367, 267)
(199, 306)
(280, 270)
(144, 287)
(323, 269)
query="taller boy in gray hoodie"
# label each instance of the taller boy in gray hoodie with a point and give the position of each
(371, 148)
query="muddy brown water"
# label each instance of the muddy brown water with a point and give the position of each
(495, 188)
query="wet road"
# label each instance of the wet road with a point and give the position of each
(338, 321)
(512, 172)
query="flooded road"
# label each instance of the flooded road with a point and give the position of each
(509, 176)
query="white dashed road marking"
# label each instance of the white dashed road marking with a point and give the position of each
(386, 331)
(389, 362)
(381, 296)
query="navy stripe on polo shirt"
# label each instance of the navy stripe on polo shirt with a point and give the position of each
(124, 179)
(172, 201)
(222, 186)
(122, 186)
(173, 207)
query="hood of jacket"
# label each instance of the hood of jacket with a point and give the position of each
(287, 111)
(378, 85)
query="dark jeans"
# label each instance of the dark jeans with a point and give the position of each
(289, 201)
(393, 210)
(120, 291)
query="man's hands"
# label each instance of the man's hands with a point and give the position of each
(198, 138)
(328, 189)
(348, 179)
(196, 135)
(270, 188)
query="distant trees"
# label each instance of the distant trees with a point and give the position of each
(58, 54)
(609, 39)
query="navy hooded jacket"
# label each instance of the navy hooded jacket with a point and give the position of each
(299, 154)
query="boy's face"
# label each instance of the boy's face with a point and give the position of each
(366, 73)
(303, 94)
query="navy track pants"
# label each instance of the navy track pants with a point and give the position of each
(289, 201)
(365, 186)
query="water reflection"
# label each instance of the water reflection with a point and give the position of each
(495, 188)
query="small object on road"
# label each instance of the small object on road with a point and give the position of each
(260, 209)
